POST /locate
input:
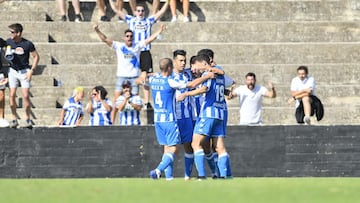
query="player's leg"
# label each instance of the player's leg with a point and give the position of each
(219, 145)
(210, 156)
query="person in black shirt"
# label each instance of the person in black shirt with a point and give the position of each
(20, 71)
(3, 81)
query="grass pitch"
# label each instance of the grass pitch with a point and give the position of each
(127, 190)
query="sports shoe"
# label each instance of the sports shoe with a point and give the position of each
(186, 19)
(201, 178)
(13, 124)
(63, 18)
(28, 123)
(78, 18)
(155, 174)
(104, 18)
(173, 19)
(148, 106)
(4, 123)
(307, 120)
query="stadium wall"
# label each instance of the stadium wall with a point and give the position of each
(256, 151)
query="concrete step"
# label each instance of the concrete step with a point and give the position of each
(210, 11)
(280, 74)
(226, 53)
(259, 31)
(270, 115)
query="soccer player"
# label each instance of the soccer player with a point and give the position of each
(129, 106)
(210, 122)
(210, 152)
(72, 111)
(163, 86)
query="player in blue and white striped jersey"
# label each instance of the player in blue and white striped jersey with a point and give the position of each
(210, 122)
(99, 107)
(72, 111)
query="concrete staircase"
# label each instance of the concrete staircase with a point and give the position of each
(271, 38)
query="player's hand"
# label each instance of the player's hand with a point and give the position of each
(181, 97)
(28, 75)
(210, 75)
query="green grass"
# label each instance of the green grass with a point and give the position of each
(125, 190)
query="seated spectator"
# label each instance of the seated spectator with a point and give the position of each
(62, 7)
(250, 98)
(186, 6)
(302, 87)
(129, 106)
(99, 107)
(72, 112)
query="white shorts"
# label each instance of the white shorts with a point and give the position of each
(2, 77)
(18, 76)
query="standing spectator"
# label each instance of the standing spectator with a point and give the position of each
(128, 56)
(129, 106)
(62, 7)
(20, 70)
(72, 112)
(102, 10)
(141, 27)
(99, 107)
(186, 7)
(210, 122)
(120, 3)
(302, 87)
(3, 81)
(250, 98)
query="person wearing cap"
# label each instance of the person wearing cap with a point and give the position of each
(72, 112)
(128, 106)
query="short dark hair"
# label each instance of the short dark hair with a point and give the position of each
(126, 83)
(304, 68)
(17, 27)
(102, 90)
(208, 52)
(250, 74)
(128, 30)
(202, 57)
(180, 52)
(192, 60)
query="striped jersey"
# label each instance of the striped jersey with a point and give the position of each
(163, 93)
(141, 28)
(128, 58)
(214, 99)
(100, 116)
(73, 111)
(129, 116)
(183, 109)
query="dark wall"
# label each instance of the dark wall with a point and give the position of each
(133, 151)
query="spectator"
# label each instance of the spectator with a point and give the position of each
(99, 107)
(62, 8)
(141, 27)
(3, 81)
(102, 10)
(155, 6)
(19, 50)
(72, 112)
(128, 56)
(129, 106)
(250, 98)
(186, 7)
(302, 87)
